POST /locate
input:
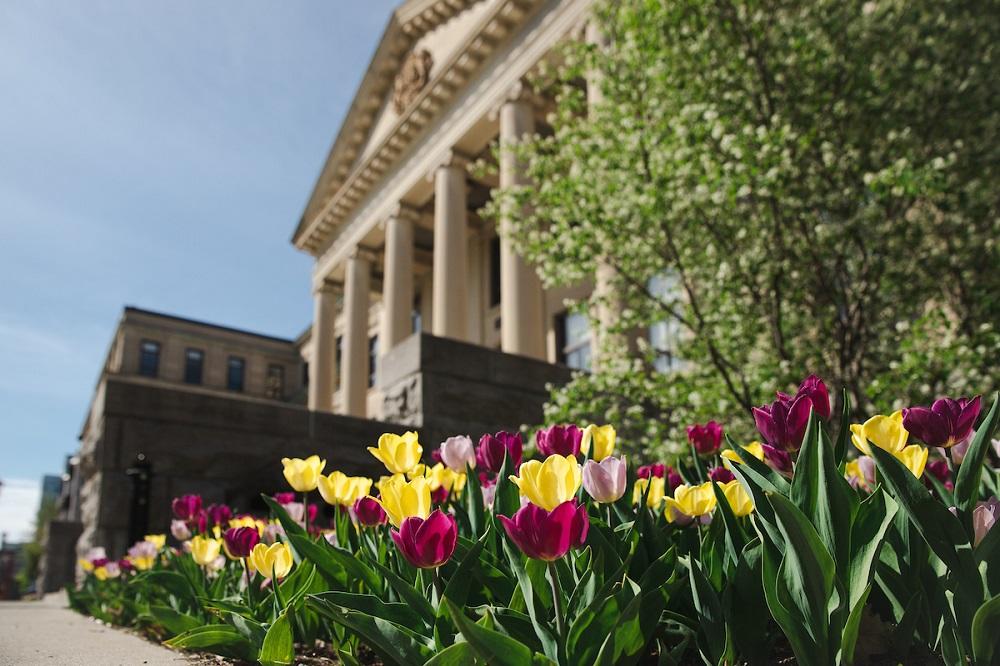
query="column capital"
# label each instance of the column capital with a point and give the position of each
(364, 253)
(450, 159)
(519, 92)
(401, 211)
(328, 286)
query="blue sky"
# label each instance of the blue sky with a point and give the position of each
(155, 154)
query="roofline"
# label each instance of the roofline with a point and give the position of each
(198, 322)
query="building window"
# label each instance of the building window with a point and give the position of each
(663, 334)
(275, 387)
(149, 358)
(415, 317)
(194, 361)
(305, 373)
(573, 340)
(372, 360)
(235, 370)
(495, 271)
(338, 355)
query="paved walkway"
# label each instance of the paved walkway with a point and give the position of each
(48, 632)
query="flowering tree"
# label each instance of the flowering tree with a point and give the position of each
(817, 182)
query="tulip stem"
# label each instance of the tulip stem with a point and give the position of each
(437, 584)
(557, 601)
(305, 510)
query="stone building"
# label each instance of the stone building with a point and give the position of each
(424, 316)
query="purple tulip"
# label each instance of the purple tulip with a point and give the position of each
(559, 440)
(605, 480)
(656, 469)
(548, 535)
(241, 540)
(427, 544)
(186, 507)
(777, 459)
(812, 387)
(369, 512)
(491, 450)
(939, 470)
(783, 424)
(945, 423)
(219, 514)
(705, 439)
(720, 475)
(126, 565)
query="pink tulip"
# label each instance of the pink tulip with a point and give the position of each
(241, 540)
(427, 544)
(705, 439)
(559, 440)
(492, 448)
(219, 514)
(180, 530)
(284, 498)
(984, 516)
(368, 512)
(457, 452)
(186, 507)
(605, 480)
(548, 535)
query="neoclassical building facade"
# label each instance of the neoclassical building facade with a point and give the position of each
(392, 220)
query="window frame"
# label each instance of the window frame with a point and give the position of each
(187, 365)
(156, 358)
(242, 362)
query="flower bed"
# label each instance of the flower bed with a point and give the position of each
(795, 545)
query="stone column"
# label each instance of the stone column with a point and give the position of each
(324, 356)
(397, 290)
(450, 249)
(522, 326)
(354, 368)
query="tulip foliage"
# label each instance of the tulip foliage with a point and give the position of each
(824, 544)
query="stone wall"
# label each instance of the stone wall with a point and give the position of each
(57, 567)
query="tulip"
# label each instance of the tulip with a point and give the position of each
(143, 555)
(204, 550)
(369, 512)
(605, 480)
(705, 439)
(550, 483)
(186, 507)
(179, 529)
(939, 470)
(860, 473)
(959, 450)
(239, 541)
(812, 388)
(656, 493)
(126, 565)
(559, 440)
(547, 535)
(673, 479)
(691, 502)
(338, 489)
(885, 432)
(720, 475)
(492, 448)
(297, 512)
(439, 495)
(945, 423)
(284, 498)
(109, 569)
(489, 493)
(656, 469)
(984, 517)
(444, 478)
(399, 453)
(602, 438)
(303, 475)
(782, 424)
(246, 520)
(457, 452)
(429, 542)
(436, 455)
(914, 457)
(756, 449)
(272, 532)
(777, 459)
(219, 514)
(402, 499)
(738, 498)
(274, 561)
(158, 540)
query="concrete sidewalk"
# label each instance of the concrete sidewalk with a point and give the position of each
(48, 632)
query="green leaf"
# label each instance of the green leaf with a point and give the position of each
(174, 621)
(868, 530)
(492, 647)
(849, 638)
(506, 500)
(328, 558)
(458, 585)
(394, 643)
(711, 619)
(473, 497)
(525, 585)
(171, 581)
(408, 593)
(985, 629)
(459, 654)
(369, 604)
(219, 638)
(971, 470)
(279, 647)
(290, 526)
(844, 433)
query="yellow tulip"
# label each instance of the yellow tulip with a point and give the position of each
(303, 475)
(274, 561)
(548, 484)
(657, 491)
(755, 448)
(885, 432)
(142, 562)
(690, 502)
(204, 550)
(853, 470)
(914, 457)
(158, 540)
(739, 499)
(441, 476)
(602, 438)
(245, 521)
(86, 565)
(399, 453)
(340, 489)
(402, 499)
(100, 573)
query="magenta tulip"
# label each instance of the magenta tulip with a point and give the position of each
(548, 535)
(783, 424)
(605, 480)
(656, 469)
(720, 475)
(559, 440)
(705, 439)
(427, 544)
(284, 498)
(186, 507)
(369, 512)
(812, 387)
(945, 423)
(492, 448)
(219, 514)
(674, 479)
(241, 540)
(777, 459)
(939, 470)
